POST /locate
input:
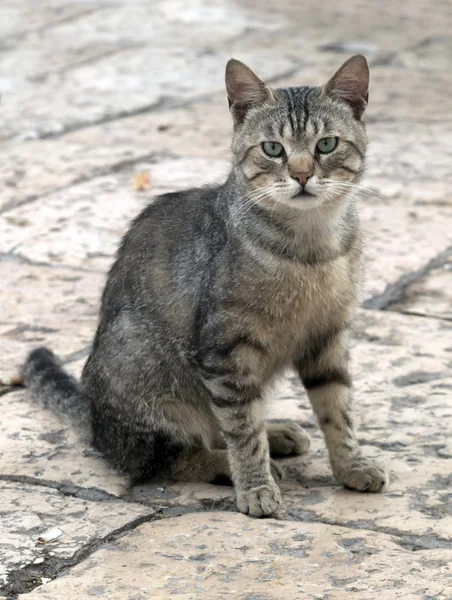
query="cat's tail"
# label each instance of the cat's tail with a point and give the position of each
(44, 375)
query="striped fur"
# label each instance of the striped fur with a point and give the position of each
(216, 291)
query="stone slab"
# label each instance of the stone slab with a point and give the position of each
(111, 67)
(430, 295)
(94, 215)
(37, 444)
(401, 235)
(369, 28)
(33, 168)
(114, 61)
(28, 511)
(216, 556)
(56, 307)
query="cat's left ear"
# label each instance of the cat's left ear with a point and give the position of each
(350, 84)
(244, 89)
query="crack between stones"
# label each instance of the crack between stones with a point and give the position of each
(163, 103)
(6, 389)
(19, 36)
(23, 260)
(92, 494)
(395, 446)
(412, 313)
(113, 51)
(117, 167)
(388, 58)
(67, 68)
(408, 541)
(395, 293)
(413, 542)
(28, 578)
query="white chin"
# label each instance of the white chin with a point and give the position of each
(304, 202)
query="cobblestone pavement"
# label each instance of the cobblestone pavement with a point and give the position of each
(94, 93)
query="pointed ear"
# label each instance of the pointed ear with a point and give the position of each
(244, 89)
(350, 84)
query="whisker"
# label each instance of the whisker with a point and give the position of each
(251, 198)
(272, 188)
(348, 184)
(345, 185)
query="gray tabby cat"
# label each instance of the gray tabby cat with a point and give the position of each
(216, 291)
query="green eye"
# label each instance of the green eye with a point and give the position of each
(273, 149)
(326, 145)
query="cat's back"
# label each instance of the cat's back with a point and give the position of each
(163, 255)
(171, 222)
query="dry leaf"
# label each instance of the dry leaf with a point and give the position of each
(142, 181)
(11, 381)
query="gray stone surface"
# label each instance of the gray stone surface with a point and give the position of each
(222, 556)
(29, 511)
(36, 445)
(94, 93)
(431, 294)
(93, 215)
(67, 324)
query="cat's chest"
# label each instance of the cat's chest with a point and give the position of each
(300, 293)
(298, 300)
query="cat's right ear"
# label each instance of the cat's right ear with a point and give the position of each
(350, 84)
(244, 89)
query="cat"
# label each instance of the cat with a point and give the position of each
(216, 291)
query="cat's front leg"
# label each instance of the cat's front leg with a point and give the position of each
(237, 407)
(327, 380)
(248, 450)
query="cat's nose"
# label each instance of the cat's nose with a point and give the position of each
(302, 177)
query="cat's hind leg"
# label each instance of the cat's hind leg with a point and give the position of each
(201, 464)
(287, 439)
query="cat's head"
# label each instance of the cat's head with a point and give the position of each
(303, 146)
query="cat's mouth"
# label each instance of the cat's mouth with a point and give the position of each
(303, 193)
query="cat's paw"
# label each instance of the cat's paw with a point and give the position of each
(363, 475)
(262, 501)
(287, 438)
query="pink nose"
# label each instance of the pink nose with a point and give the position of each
(302, 177)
